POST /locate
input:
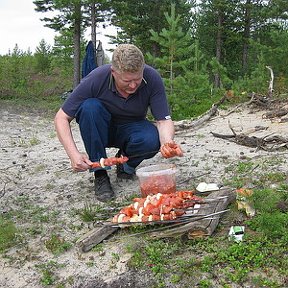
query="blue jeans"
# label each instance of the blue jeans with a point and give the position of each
(140, 138)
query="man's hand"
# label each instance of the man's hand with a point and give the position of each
(80, 162)
(171, 149)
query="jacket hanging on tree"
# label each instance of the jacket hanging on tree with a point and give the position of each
(89, 61)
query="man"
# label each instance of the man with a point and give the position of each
(110, 106)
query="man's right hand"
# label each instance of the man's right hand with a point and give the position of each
(80, 162)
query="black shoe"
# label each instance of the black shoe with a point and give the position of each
(103, 189)
(121, 174)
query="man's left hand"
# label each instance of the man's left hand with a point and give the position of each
(171, 149)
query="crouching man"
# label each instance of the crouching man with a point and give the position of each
(110, 105)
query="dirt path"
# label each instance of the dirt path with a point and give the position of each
(36, 182)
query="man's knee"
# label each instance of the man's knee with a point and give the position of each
(149, 142)
(91, 105)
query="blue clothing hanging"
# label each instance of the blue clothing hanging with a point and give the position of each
(89, 61)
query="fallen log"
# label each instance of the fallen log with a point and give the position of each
(242, 139)
(266, 143)
(277, 113)
(259, 100)
(192, 124)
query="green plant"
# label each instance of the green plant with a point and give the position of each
(92, 213)
(175, 278)
(205, 283)
(98, 248)
(34, 141)
(244, 167)
(8, 232)
(47, 278)
(115, 256)
(49, 186)
(271, 219)
(90, 263)
(206, 263)
(39, 168)
(260, 281)
(273, 177)
(57, 245)
(47, 270)
(88, 213)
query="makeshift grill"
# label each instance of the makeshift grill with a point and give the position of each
(199, 220)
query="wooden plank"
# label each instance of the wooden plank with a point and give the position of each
(94, 237)
(203, 227)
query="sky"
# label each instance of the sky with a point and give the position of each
(20, 24)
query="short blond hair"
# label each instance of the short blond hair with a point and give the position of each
(127, 58)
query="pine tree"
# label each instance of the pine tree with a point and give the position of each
(181, 64)
(43, 57)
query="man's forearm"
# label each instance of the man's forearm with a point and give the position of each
(166, 131)
(63, 129)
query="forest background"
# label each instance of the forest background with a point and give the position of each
(203, 49)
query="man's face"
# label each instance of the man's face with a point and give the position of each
(126, 82)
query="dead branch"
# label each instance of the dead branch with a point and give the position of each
(259, 100)
(270, 87)
(3, 191)
(275, 114)
(192, 124)
(267, 143)
(5, 180)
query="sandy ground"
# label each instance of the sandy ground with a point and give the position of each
(36, 176)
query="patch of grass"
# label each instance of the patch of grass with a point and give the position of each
(244, 167)
(30, 216)
(91, 213)
(273, 177)
(259, 281)
(48, 272)
(50, 186)
(99, 248)
(115, 259)
(34, 214)
(57, 245)
(205, 283)
(52, 135)
(34, 141)
(39, 168)
(241, 257)
(46, 107)
(21, 143)
(272, 217)
(88, 213)
(260, 173)
(155, 255)
(8, 232)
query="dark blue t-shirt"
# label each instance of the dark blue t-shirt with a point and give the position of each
(100, 84)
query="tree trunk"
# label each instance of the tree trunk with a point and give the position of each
(217, 80)
(246, 36)
(76, 39)
(93, 27)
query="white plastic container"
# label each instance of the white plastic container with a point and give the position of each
(155, 179)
